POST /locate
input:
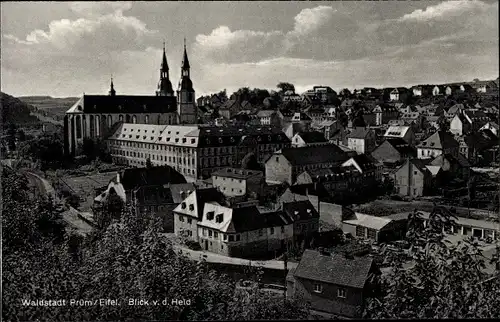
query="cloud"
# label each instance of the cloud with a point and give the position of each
(445, 10)
(91, 9)
(224, 45)
(310, 20)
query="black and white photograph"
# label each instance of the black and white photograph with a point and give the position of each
(249, 160)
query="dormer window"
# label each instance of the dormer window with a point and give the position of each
(191, 207)
(210, 215)
(219, 218)
(183, 205)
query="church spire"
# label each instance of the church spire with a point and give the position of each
(185, 60)
(164, 85)
(112, 91)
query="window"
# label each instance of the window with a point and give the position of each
(190, 221)
(372, 234)
(277, 159)
(238, 237)
(204, 231)
(282, 229)
(272, 230)
(231, 238)
(216, 235)
(209, 233)
(261, 232)
(224, 237)
(341, 292)
(360, 231)
(318, 288)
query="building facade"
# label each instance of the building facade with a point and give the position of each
(94, 116)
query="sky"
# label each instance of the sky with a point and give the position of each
(65, 49)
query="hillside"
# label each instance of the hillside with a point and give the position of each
(50, 106)
(14, 111)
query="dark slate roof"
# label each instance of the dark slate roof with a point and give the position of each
(421, 164)
(124, 104)
(175, 190)
(300, 210)
(328, 153)
(481, 140)
(365, 162)
(313, 137)
(207, 195)
(460, 160)
(214, 136)
(402, 146)
(332, 174)
(249, 218)
(440, 140)
(359, 133)
(154, 176)
(236, 173)
(335, 269)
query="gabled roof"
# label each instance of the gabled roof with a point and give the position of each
(401, 146)
(328, 153)
(368, 221)
(460, 160)
(396, 131)
(335, 269)
(124, 104)
(359, 133)
(198, 198)
(364, 162)
(176, 189)
(155, 176)
(313, 137)
(440, 140)
(300, 210)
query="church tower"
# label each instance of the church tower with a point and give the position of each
(112, 91)
(164, 85)
(186, 106)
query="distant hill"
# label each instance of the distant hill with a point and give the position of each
(14, 111)
(50, 106)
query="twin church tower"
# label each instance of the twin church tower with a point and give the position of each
(94, 116)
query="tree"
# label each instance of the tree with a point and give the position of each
(250, 162)
(284, 87)
(442, 281)
(148, 163)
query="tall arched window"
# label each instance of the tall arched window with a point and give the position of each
(134, 119)
(78, 127)
(110, 121)
(84, 125)
(146, 119)
(120, 118)
(97, 126)
(91, 126)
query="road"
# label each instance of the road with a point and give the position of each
(216, 258)
(43, 186)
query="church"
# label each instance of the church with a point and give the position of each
(96, 116)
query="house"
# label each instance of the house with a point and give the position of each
(366, 165)
(480, 147)
(308, 139)
(291, 96)
(413, 179)
(330, 129)
(401, 132)
(336, 182)
(385, 113)
(238, 182)
(230, 108)
(422, 90)
(476, 118)
(332, 283)
(148, 190)
(459, 125)
(325, 94)
(190, 211)
(492, 126)
(243, 232)
(305, 220)
(286, 164)
(438, 143)
(452, 166)
(271, 117)
(361, 140)
(452, 89)
(466, 227)
(393, 151)
(377, 229)
(484, 86)
(438, 90)
(399, 94)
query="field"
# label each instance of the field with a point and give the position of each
(52, 106)
(84, 186)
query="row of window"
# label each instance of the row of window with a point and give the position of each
(341, 292)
